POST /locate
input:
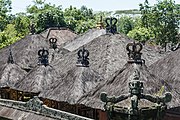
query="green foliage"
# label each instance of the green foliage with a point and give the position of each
(159, 21)
(8, 36)
(79, 20)
(162, 19)
(83, 26)
(22, 23)
(45, 15)
(125, 24)
(50, 18)
(141, 34)
(5, 7)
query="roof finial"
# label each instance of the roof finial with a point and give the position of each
(10, 58)
(32, 28)
(43, 57)
(83, 60)
(99, 24)
(52, 42)
(134, 52)
(111, 25)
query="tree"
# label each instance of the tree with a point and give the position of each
(5, 7)
(22, 24)
(141, 34)
(8, 36)
(45, 15)
(162, 19)
(125, 24)
(79, 20)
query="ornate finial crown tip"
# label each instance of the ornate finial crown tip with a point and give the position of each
(134, 52)
(53, 43)
(43, 57)
(83, 58)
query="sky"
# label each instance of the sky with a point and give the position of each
(96, 5)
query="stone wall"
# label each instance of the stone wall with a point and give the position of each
(35, 105)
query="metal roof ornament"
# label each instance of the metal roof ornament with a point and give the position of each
(10, 58)
(134, 52)
(83, 60)
(53, 43)
(43, 57)
(111, 25)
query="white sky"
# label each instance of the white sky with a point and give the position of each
(96, 5)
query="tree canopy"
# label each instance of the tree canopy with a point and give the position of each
(158, 22)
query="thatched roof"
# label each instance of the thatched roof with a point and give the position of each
(117, 85)
(168, 70)
(107, 55)
(63, 35)
(38, 79)
(84, 39)
(25, 50)
(75, 83)
(10, 74)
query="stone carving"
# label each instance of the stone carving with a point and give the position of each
(53, 43)
(37, 106)
(34, 104)
(111, 25)
(10, 58)
(135, 94)
(83, 60)
(43, 57)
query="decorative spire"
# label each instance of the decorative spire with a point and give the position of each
(53, 43)
(99, 24)
(83, 60)
(134, 52)
(111, 25)
(32, 29)
(10, 58)
(43, 57)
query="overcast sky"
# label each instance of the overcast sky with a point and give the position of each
(96, 5)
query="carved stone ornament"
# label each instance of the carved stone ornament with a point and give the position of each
(34, 104)
(135, 94)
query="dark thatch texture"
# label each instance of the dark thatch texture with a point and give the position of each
(73, 85)
(38, 79)
(107, 55)
(11, 74)
(168, 70)
(118, 85)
